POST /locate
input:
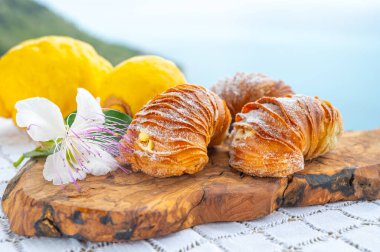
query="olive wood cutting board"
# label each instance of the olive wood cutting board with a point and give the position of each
(121, 207)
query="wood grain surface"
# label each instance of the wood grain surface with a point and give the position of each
(121, 207)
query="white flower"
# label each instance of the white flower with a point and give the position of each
(80, 149)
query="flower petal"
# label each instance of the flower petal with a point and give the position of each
(89, 111)
(42, 118)
(57, 169)
(101, 162)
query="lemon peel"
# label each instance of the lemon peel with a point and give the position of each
(3, 112)
(139, 79)
(52, 67)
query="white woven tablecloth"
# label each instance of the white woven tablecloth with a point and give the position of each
(343, 226)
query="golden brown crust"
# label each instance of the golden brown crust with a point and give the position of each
(170, 135)
(243, 88)
(273, 136)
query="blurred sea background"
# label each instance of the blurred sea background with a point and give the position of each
(324, 48)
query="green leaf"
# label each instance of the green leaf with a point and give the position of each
(119, 120)
(70, 118)
(117, 116)
(111, 116)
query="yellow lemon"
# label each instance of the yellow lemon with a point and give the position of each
(2, 108)
(52, 67)
(137, 80)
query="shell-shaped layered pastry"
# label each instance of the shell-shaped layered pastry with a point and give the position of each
(273, 136)
(243, 88)
(170, 135)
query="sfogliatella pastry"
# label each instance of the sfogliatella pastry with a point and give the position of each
(170, 135)
(273, 136)
(243, 88)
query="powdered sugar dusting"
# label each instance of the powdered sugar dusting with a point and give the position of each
(243, 88)
(275, 134)
(234, 83)
(179, 123)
